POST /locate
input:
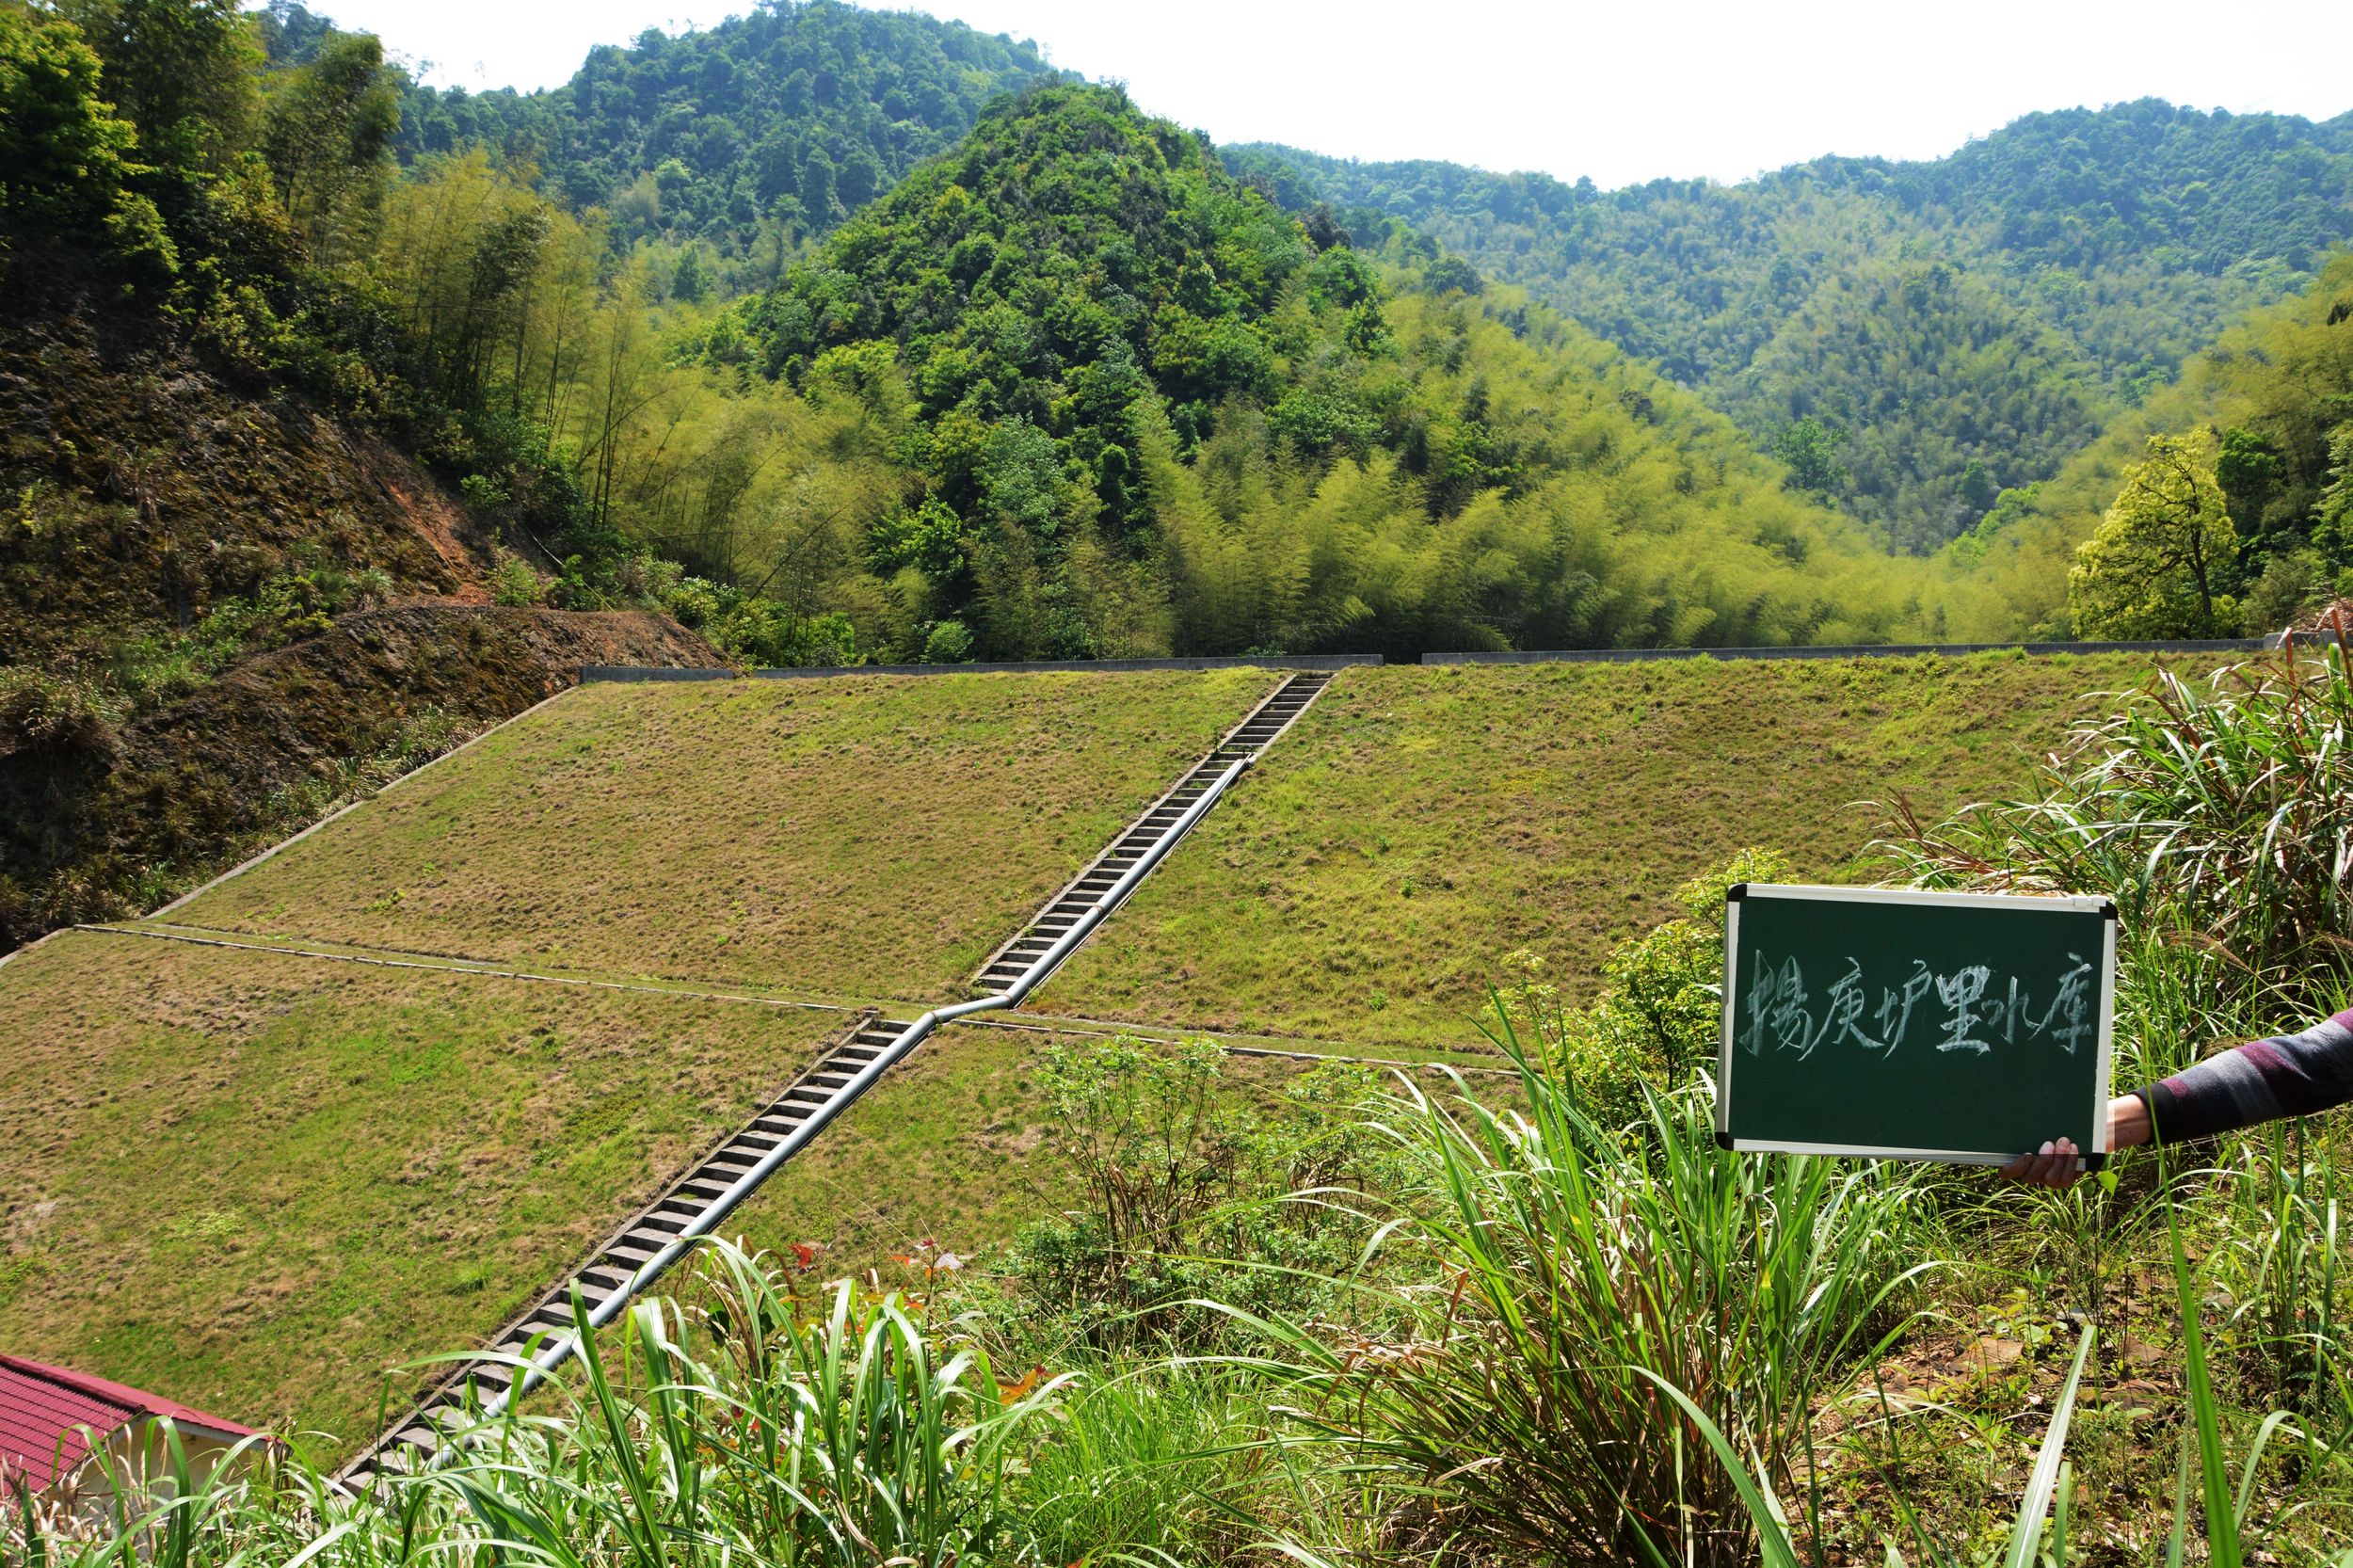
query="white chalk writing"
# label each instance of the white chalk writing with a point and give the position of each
(1968, 1008)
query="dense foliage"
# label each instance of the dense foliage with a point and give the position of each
(2270, 404)
(748, 133)
(2084, 254)
(1136, 408)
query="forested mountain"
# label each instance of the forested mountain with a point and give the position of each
(1954, 326)
(1130, 407)
(1911, 339)
(766, 127)
(2269, 409)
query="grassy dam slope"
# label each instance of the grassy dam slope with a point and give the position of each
(1421, 823)
(259, 1180)
(255, 1180)
(861, 838)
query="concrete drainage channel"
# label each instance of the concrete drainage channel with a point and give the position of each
(480, 1391)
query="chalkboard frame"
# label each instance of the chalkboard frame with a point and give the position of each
(2075, 903)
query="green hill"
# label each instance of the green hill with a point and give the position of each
(2117, 243)
(1134, 407)
(2275, 395)
(782, 120)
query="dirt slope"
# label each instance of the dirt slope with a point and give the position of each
(176, 685)
(122, 819)
(145, 489)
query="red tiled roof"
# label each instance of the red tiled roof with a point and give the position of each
(43, 1408)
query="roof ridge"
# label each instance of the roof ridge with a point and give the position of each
(135, 1401)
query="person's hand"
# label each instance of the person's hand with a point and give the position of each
(2052, 1165)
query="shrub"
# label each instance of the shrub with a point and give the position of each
(1188, 1194)
(949, 642)
(1559, 1263)
(54, 713)
(513, 584)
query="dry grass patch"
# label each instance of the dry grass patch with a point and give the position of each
(1422, 823)
(253, 1182)
(862, 836)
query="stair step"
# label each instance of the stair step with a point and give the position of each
(633, 1250)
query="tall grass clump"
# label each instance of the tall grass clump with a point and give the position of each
(1153, 1464)
(2219, 817)
(743, 1425)
(1559, 1263)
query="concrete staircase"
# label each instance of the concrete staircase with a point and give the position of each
(813, 1099)
(1087, 892)
(843, 1071)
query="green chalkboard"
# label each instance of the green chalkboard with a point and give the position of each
(1935, 1026)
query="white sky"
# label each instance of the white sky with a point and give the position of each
(1621, 91)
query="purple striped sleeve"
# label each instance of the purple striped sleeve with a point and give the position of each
(2288, 1074)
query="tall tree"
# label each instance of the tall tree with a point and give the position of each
(327, 135)
(2157, 565)
(181, 71)
(63, 154)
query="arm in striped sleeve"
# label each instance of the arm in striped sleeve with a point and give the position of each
(2289, 1075)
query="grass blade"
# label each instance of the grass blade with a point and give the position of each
(2026, 1533)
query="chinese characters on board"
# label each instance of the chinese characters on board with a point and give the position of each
(1968, 1009)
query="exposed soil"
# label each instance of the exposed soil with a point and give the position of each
(99, 831)
(146, 488)
(279, 716)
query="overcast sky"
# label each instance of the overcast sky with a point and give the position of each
(1621, 93)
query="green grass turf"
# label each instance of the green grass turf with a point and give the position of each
(857, 837)
(1421, 822)
(253, 1182)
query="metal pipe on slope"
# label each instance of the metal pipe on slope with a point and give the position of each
(563, 1347)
